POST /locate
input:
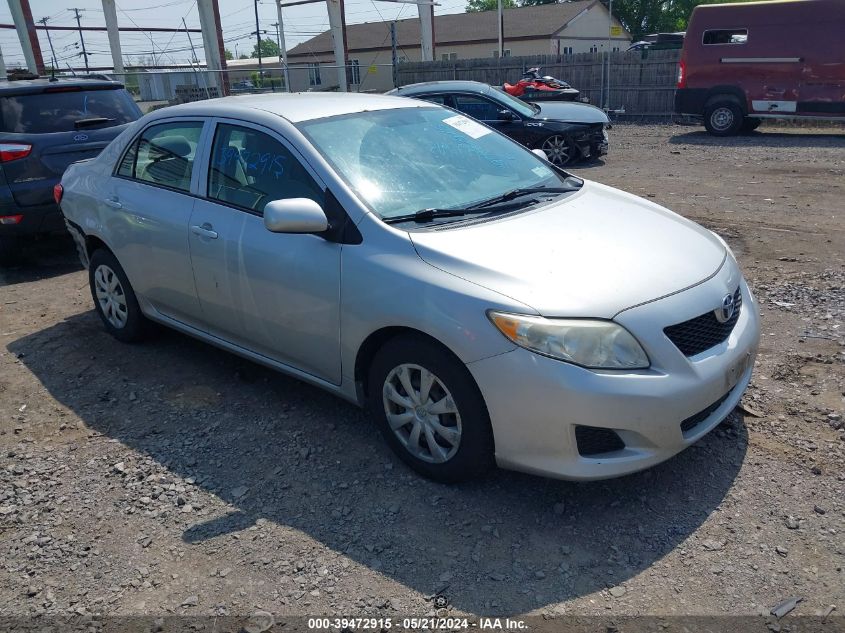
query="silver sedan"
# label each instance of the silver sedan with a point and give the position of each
(486, 306)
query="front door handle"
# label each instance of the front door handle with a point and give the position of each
(113, 202)
(206, 230)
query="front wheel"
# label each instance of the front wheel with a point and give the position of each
(560, 150)
(430, 410)
(114, 298)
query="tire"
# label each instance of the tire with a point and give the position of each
(10, 250)
(114, 299)
(750, 124)
(723, 118)
(453, 415)
(560, 149)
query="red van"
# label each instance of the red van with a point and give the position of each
(742, 63)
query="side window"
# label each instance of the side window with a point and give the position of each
(477, 107)
(127, 163)
(438, 99)
(248, 169)
(163, 155)
(726, 36)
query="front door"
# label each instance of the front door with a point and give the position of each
(275, 294)
(493, 114)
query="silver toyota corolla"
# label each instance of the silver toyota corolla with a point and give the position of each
(486, 306)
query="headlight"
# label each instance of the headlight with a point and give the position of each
(586, 342)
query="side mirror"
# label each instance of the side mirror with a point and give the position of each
(540, 153)
(295, 215)
(506, 115)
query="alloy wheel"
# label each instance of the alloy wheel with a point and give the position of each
(422, 413)
(110, 296)
(558, 149)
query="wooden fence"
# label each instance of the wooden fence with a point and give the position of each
(641, 83)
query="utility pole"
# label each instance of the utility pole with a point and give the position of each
(50, 40)
(194, 60)
(81, 39)
(394, 55)
(609, 40)
(501, 21)
(283, 53)
(258, 47)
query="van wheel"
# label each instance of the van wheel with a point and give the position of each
(430, 410)
(114, 298)
(750, 124)
(723, 118)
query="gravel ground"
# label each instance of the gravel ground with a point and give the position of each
(173, 478)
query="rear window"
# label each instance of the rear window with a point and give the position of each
(726, 36)
(66, 111)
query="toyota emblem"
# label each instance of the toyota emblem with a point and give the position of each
(726, 310)
(80, 137)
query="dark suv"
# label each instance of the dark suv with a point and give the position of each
(45, 125)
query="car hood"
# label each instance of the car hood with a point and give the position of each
(571, 112)
(592, 254)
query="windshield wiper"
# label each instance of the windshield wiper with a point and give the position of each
(525, 191)
(96, 120)
(503, 202)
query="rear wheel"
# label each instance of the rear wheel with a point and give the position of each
(430, 410)
(560, 150)
(114, 298)
(723, 118)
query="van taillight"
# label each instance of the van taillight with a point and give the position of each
(682, 75)
(58, 192)
(13, 151)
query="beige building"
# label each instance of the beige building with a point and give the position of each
(580, 26)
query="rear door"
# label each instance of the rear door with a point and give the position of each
(147, 205)
(54, 128)
(275, 294)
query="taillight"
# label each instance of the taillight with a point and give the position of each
(11, 219)
(14, 151)
(58, 191)
(682, 74)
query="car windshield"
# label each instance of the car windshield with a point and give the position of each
(525, 109)
(407, 159)
(66, 109)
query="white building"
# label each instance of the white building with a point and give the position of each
(580, 26)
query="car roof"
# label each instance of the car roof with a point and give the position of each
(44, 84)
(428, 87)
(293, 106)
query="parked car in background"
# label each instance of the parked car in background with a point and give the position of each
(45, 125)
(483, 304)
(566, 131)
(743, 63)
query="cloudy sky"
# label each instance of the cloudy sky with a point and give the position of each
(237, 16)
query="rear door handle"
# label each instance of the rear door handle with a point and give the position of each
(206, 230)
(113, 202)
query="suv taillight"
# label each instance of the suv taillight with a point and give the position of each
(58, 192)
(13, 151)
(682, 74)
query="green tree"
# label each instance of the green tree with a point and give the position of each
(269, 48)
(642, 17)
(228, 54)
(476, 6)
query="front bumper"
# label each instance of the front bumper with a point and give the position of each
(534, 416)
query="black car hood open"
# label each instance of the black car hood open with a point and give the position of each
(571, 112)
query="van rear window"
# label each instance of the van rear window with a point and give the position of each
(66, 111)
(726, 36)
